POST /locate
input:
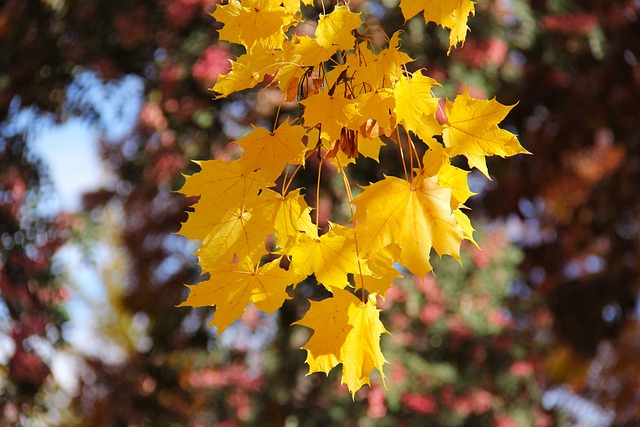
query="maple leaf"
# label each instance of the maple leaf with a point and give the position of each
(289, 214)
(233, 286)
(334, 29)
(332, 112)
(369, 147)
(330, 257)
(452, 14)
(293, 6)
(415, 216)
(376, 109)
(269, 152)
(310, 52)
(253, 22)
(380, 70)
(239, 233)
(472, 130)
(346, 331)
(247, 71)
(380, 273)
(416, 106)
(351, 94)
(437, 162)
(223, 187)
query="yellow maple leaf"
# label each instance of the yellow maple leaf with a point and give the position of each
(253, 22)
(416, 106)
(233, 286)
(334, 29)
(293, 6)
(377, 71)
(379, 274)
(240, 234)
(270, 152)
(437, 162)
(247, 71)
(346, 331)
(289, 214)
(465, 225)
(369, 147)
(330, 257)
(452, 14)
(376, 111)
(361, 351)
(223, 187)
(310, 52)
(415, 216)
(331, 112)
(472, 130)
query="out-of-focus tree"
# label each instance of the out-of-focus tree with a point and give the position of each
(30, 296)
(578, 85)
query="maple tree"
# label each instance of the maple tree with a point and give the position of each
(257, 233)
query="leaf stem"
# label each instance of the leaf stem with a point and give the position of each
(320, 163)
(404, 165)
(347, 187)
(414, 151)
(285, 184)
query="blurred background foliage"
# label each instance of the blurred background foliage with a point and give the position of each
(539, 328)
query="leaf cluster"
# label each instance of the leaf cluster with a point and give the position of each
(354, 92)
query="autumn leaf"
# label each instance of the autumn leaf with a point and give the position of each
(247, 71)
(331, 257)
(415, 216)
(334, 29)
(289, 214)
(239, 234)
(375, 110)
(452, 14)
(253, 22)
(369, 147)
(231, 287)
(472, 130)
(269, 152)
(416, 106)
(223, 187)
(346, 331)
(331, 112)
(378, 70)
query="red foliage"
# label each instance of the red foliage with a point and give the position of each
(571, 23)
